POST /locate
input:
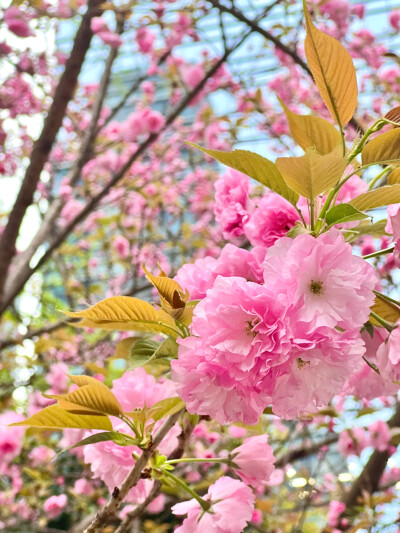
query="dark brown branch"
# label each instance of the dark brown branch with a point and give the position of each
(42, 147)
(305, 451)
(21, 265)
(108, 512)
(94, 202)
(277, 42)
(184, 437)
(368, 480)
(126, 524)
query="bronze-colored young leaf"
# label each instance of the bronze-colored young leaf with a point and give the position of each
(169, 289)
(94, 396)
(385, 309)
(53, 417)
(383, 149)
(82, 380)
(255, 166)
(394, 114)
(312, 174)
(394, 176)
(310, 131)
(333, 72)
(126, 314)
(390, 194)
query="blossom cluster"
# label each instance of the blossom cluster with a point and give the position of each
(290, 341)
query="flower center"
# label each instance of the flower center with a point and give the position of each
(250, 324)
(301, 363)
(317, 287)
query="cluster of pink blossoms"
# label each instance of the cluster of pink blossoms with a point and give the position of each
(290, 341)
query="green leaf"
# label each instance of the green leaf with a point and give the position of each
(255, 166)
(383, 149)
(312, 174)
(389, 194)
(310, 131)
(124, 313)
(343, 213)
(143, 350)
(119, 438)
(166, 407)
(377, 229)
(53, 417)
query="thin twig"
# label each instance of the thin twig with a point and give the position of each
(117, 177)
(42, 147)
(109, 511)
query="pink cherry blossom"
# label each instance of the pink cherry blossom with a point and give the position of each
(394, 19)
(323, 282)
(272, 219)
(255, 461)
(379, 435)
(205, 384)
(154, 121)
(121, 246)
(17, 22)
(388, 357)
(358, 10)
(98, 24)
(336, 508)
(352, 441)
(316, 371)
(242, 320)
(40, 455)
(232, 203)
(145, 40)
(10, 438)
(193, 75)
(110, 38)
(232, 505)
(55, 505)
(199, 276)
(83, 487)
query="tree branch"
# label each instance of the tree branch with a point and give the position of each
(42, 147)
(302, 452)
(108, 512)
(368, 480)
(277, 42)
(126, 524)
(21, 265)
(117, 177)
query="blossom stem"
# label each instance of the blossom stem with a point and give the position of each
(378, 125)
(312, 205)
(325, 208)
(204, 505)
(197, 460)
(379, 252)
(386, 170)
(386, 297)
(387, 325)
(131, 425)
